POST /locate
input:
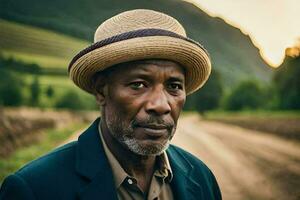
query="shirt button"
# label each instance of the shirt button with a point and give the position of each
(130, 181)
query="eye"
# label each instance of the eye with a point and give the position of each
(175, 86)
(137, 85)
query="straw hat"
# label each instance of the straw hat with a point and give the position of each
(137, 35)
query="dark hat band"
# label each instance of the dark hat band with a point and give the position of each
(131, 35)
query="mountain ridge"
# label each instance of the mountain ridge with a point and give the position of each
(233, 53)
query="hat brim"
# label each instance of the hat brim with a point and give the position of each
(192, 57)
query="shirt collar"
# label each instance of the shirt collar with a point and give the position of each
(164, 169)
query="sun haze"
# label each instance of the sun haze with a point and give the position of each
(273, 25)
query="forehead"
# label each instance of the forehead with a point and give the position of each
(150, 67)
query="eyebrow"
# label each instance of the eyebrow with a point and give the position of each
(176, 79)
(147, 76)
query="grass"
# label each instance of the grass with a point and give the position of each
(61, 87)
(45, 61)
(35, 45)
(50, 139)
(48, 49)
(60, 84)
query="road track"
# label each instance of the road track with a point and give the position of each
(248, 164)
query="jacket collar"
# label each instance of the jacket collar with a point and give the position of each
(183, 184)
(92, 164)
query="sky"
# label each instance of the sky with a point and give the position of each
(273, 25)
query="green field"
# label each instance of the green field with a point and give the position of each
(60, 84)
(35, 45)
(50, 139)
(48, 49)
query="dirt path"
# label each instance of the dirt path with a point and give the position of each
(249, 165)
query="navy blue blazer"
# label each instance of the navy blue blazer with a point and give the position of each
(80, 170)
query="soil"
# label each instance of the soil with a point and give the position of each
(24, 126)
(287, 127)
(248, 164)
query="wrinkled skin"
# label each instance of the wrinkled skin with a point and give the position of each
(141, 102)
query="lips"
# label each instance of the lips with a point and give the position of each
(154, 126)
(154, 130)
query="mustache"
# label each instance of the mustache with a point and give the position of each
(153, 121)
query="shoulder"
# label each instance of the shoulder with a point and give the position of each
(200, 173)
(15, 187)
(41, 175)
(59, 158)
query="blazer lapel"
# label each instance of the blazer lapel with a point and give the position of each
(183, 185)
(93, 166)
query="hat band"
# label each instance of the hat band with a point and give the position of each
(131, 35)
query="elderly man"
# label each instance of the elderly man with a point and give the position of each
(140, 69)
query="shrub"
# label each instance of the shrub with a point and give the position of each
(50, 91)
(10, 88)
(287, 83)
(35, 91)
(74, 101)
(208, 97)
(247, 95)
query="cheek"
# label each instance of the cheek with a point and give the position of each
(122, 105)
(181, 101)
(177, 105)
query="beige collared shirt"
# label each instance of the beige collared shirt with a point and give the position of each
(126, 185)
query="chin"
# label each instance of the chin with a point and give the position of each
(146, 148)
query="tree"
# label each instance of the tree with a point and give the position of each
(50, 91)
(35, 91)
(247, 94)
(287, 80)
(10, 88)
(70, 100)
(208, 97)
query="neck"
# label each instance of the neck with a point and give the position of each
(139, 166)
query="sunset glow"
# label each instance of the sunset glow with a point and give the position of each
(273, 25)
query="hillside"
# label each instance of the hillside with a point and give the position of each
(36, 45)
(50, 50)
(232, 52)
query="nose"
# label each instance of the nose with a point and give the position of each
(158, 103)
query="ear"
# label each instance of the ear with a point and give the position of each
(100, 91)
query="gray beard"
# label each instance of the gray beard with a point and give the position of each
(133, 145)
(124, 136)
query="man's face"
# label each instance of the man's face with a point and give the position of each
(142, 103)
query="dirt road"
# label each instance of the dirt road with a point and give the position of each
(248, 164)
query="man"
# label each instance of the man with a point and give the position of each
(140, 69)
